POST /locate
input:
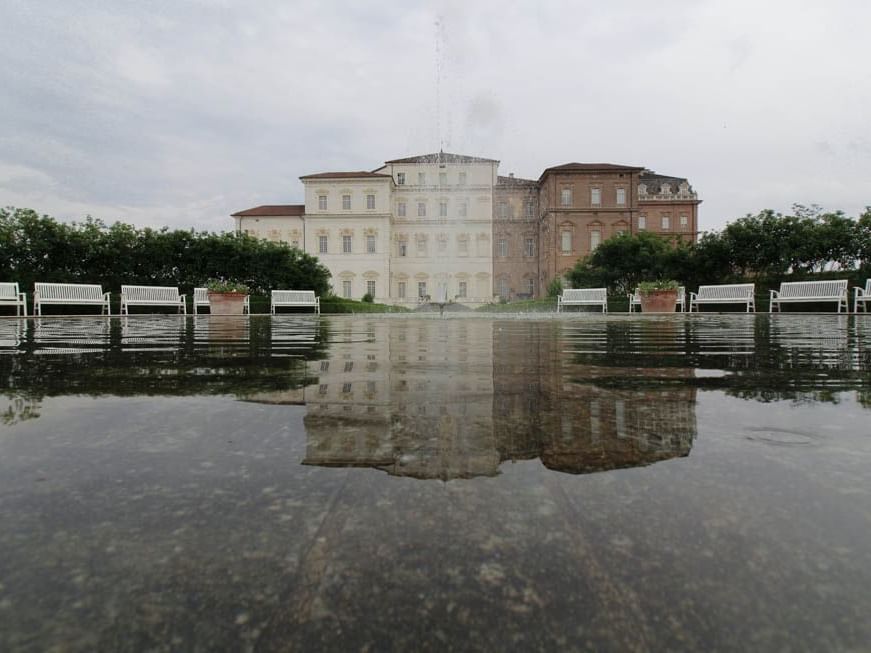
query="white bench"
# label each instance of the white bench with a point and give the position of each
(859, 295)
(810, 291)
(295, 298)
(737, 293)
(583, 297)
(151, 296)
(635, 300)
(72, 294)
(9, 296)
(201, 298)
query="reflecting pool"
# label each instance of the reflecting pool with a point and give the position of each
(614, 483)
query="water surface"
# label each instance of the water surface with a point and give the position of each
(289, 483)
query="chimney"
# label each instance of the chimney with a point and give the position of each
(511, 175)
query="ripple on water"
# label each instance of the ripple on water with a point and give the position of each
(782, 437)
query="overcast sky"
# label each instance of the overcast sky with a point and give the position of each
(177, 113)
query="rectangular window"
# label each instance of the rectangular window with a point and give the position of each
(464, 246)
(621, 197)
(529, 247)
(462, 209)
(530, 209)
(666, 223)
(443, 208)
(403, 248)
(502, 211)
(462, 179)
(566, 244)
(443, 179)
(642, 222)
(501, 247)
(370, 287)
(322, 202)
(595, 239)
(322, 244)
(503, 288)
(566, 197)
(462, 289)
(370, 202)
(346, 244)
(346, 202)
(596, 196)
(421, 288)
(421, 246)
(421, 179)
(400, 209)
(530, 287)
(421, 209)
(684, 221)
(443, 245)
(401, 290)
(370, 244)
(346, 289)
(400, 179)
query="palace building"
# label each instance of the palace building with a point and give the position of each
(448, 227)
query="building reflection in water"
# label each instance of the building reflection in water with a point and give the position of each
(457, 398)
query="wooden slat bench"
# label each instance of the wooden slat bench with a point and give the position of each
(151, 296)
(10, 296)
(201, 298)
(295, 298)
(635, 300)
(861, 297)
(583, 297)
(737, 293)
(810, 291)
(71, 294)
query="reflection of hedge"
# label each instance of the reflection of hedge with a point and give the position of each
(38, 248)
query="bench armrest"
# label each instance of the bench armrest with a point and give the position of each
(774, 293)
(693, 295)
(107, 296)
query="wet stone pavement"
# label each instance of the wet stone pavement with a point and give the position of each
(423, 483)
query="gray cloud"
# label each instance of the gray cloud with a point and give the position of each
(180, 113)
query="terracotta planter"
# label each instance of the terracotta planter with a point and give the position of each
(226, 303)
(658, 301)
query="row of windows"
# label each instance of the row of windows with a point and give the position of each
(441, 247)
(503, 290)
(664, 222)
(462, 209)
(347, 286)
(528, 247)
(347, 244)
(505, 210)
(323, 204)
(421, 179)
(595, 240)
(567, 197)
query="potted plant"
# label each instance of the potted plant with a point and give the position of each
(226, 296)
(658, 296)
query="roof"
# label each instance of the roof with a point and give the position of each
(651, 178)
(356, 174)
(515, 181)
(590, 167)
(443, 157)
(272, 209)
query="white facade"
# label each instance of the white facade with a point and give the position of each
(414, 228)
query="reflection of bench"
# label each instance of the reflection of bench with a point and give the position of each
(860, 297)
(72, 294)
(201, 298)
(9, 296)
(295, 298)
(681, 305)
(811, 291)
(738, 293)
(583, 297)
(151, 296)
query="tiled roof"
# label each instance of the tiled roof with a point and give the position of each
(272, 209)
(443, 157)
(356, 174)
(590, 167)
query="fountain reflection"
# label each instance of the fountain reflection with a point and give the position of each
(456, 399)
